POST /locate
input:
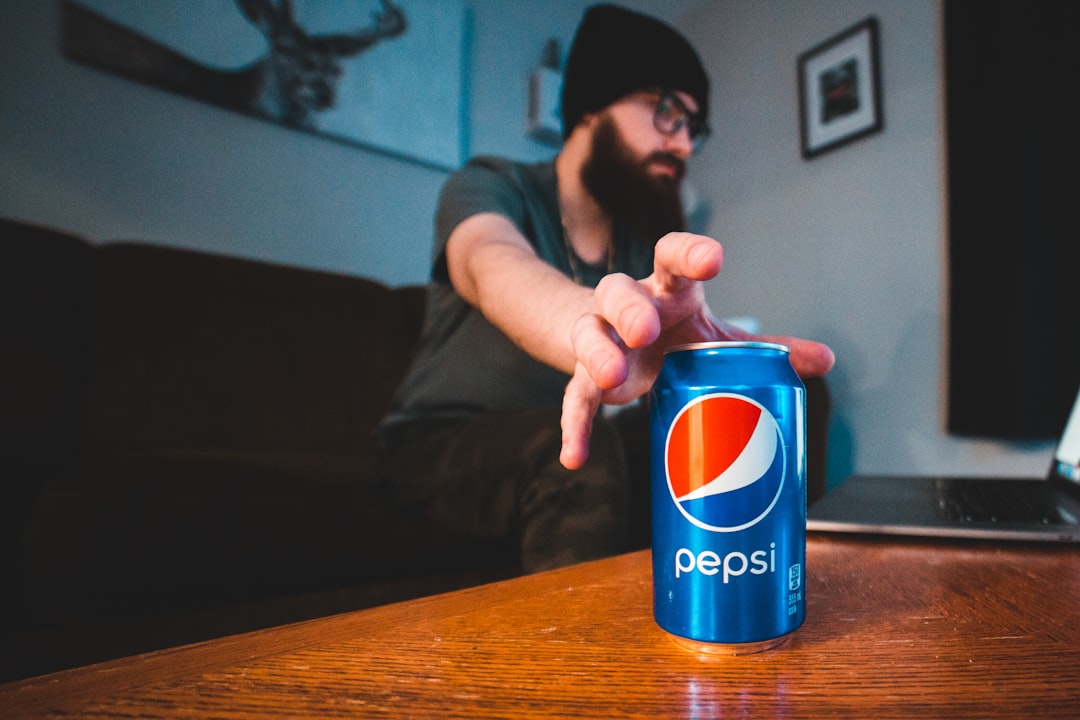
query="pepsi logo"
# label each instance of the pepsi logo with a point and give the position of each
(725, 462)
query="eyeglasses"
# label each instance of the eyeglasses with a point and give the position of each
(671, 115)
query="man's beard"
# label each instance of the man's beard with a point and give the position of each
(624, 188)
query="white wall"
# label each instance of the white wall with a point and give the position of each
(848, 248)
(100, 155)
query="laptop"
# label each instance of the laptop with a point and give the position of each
(1028, 509)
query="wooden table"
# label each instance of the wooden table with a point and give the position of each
(894, 628)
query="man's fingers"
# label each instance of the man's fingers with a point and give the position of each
(682, 257)
(598, 351)
(681, 262)
(581, 401)
(811, 359)
(624, 304)
(808, 358)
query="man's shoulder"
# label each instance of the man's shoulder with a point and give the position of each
(515, 170)
(523, 192)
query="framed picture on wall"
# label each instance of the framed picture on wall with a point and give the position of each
(382, 74)
(840, 89)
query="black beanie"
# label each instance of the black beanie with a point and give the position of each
(617, 52)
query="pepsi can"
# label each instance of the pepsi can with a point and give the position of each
(728, 424)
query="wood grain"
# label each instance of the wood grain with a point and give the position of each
(894, 629)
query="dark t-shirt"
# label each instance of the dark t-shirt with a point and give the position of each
(463, 363)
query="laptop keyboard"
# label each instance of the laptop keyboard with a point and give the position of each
(996, 502)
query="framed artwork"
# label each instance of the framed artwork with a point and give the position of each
(382, 74)
(840, 89)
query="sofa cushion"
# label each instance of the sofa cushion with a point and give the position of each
(44, 334)
(185, 530)
(45, 278)
(196, 351)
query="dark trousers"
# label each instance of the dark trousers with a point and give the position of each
(496, 477)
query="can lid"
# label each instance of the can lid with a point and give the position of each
(728, 344)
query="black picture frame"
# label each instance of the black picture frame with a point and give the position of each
(840, 89)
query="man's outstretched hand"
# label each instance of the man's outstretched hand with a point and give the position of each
(620, 346)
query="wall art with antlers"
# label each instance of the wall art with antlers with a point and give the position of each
(385, 74)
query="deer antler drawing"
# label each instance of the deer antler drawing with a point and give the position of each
(302, 71)
(295, 80)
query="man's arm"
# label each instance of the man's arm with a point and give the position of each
(610, 340)
(493, 267)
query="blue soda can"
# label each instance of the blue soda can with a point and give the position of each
(728, 424)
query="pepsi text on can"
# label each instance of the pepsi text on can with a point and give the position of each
(733, 564)
(729, 496)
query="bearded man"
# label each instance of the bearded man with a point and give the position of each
(555, 288)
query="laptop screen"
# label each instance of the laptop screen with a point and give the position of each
(1067, 454)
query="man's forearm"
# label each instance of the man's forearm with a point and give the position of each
(495, 269)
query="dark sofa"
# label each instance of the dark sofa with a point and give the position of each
(185, 449)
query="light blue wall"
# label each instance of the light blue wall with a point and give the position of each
(100, 155)
(848, 248)
(90, 152)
